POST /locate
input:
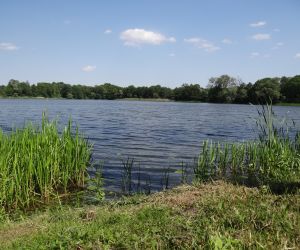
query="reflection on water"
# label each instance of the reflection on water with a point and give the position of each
(158, 135)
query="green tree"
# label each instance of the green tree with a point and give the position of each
(265, 90)
(12, 88)
(190, 92)
(290, 89)
(242, 93)
(223, 89)
(111, 91)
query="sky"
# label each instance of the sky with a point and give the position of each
(147, 42)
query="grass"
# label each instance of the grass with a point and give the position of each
(217, 215)
(38, 164)
(273, 160)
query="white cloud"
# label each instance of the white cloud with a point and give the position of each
(276, 30)
(278, 45)
(88, 68)
(172, 54)
(258, 24)
(297, 56)
(260, 37)
(136, 37)
(255, 54)
(227, 41)
(202, 44)
(8, 46)
(108, 31)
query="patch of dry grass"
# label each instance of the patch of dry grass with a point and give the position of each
(206, 215)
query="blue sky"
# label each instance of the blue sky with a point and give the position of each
(145, 42)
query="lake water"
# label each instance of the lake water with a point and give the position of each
(158, 135)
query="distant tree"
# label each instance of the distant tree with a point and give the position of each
(265, 90)
(66, 91)
(223, 89)
(12, 88)
(111, 91)
(2, 91)
(290, 89)
(242, 93)
(190, 92)
(129, 92)
(143, 92)
(77, 92)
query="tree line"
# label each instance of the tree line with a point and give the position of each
(222, 89)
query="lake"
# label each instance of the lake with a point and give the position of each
(158, 135)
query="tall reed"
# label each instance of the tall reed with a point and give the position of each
(274, 159)
(37, 162)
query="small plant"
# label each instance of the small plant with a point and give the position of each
(218, 242)
(127, 175)
(95, 184)
(165, 178)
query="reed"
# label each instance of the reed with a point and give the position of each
(39, 162)
(128, 165)
(274, 159)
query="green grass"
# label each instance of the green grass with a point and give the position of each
(38, 164)
(273, 160)
(207, 216)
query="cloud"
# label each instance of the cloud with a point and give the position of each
(202, 44)
(8, 46)
(108, 31)
(276, 30)
(258, 24)
(278, 45)
(257, 54)
(227, 41)
(254, 54)
(297, 56)
(260, 37)
(136, 37)
(172, 54)
(88, 68)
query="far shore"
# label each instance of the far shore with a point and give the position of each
(136, 99)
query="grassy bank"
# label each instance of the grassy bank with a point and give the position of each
(210, 216)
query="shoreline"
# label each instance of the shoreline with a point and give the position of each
(189, 216)
(144, 100)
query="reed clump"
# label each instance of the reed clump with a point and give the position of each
(38, 163)
(272, 160)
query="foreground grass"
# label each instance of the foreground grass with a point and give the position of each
(211, 216)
